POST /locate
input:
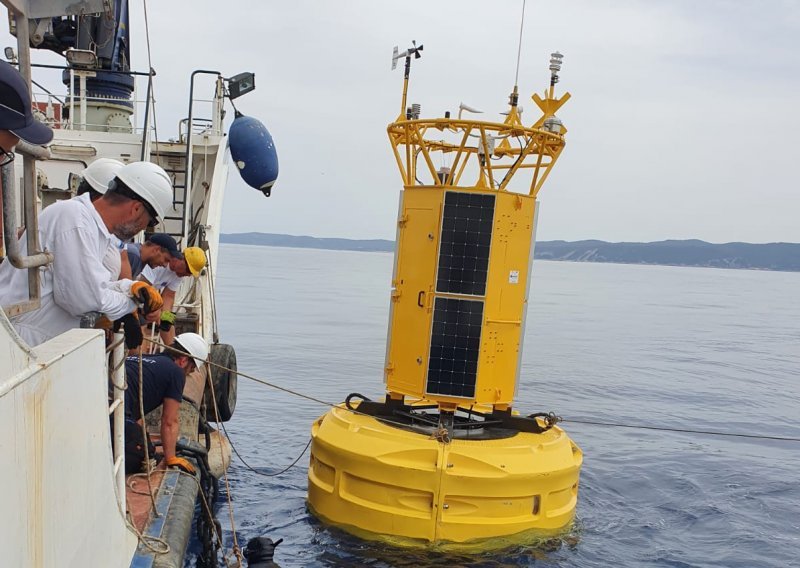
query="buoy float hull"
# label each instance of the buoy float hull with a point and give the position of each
(384, 482)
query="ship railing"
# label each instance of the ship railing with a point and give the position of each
(63, 112)
(116, 409)
(200, 126)
(33, 259)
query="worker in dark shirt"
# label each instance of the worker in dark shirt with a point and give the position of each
(164, 376)
(157, 250)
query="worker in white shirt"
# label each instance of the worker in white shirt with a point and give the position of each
(94, 181)
(79, 233)
(167, 280)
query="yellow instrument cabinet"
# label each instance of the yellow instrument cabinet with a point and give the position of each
(412, 286)
(459, 294)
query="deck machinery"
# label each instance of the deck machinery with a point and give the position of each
(445, 458)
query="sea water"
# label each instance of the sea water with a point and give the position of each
(672, 347)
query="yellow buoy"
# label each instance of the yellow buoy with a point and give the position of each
(445, 458)
(375, 479)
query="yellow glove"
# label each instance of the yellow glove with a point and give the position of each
(181, 463)
(167, 321)
(147, 295)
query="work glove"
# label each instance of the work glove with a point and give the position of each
(181, 463)
(147, 295)
(133, 331)
(167, 321)
(104, 323)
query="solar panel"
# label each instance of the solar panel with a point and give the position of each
(455, 347)
(465, 242)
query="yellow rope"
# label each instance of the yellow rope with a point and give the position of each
(147, 539)
(144, 435)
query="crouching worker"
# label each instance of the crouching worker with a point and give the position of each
(161, 384)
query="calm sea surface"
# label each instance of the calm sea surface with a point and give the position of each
(692, 348)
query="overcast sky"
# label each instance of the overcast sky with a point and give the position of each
(683, 121)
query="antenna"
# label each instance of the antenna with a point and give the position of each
(395, 57)
(513, 98)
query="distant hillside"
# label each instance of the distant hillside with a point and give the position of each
(771, 256)
(275, 240)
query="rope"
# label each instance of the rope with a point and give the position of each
(152, 83)
(576, 421)
(683, 430)
(161, 541)
(212, 297)
(251, 468)
(236, 549)
(206, 506)
(147, 539)
(286, 390)
(144, 436)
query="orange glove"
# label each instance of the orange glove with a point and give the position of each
(181, 463)
(147, 295)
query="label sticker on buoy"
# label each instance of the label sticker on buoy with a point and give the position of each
(513, 277)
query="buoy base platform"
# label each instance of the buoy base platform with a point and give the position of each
(389, 479)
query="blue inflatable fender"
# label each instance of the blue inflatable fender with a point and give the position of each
(253, 152)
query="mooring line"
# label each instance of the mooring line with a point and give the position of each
(254, 470)
(683, 430)
(575, 421)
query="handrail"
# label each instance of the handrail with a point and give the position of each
(117, 408)
(13, 251)
(187, 183)
(38, 152)
(31, 262)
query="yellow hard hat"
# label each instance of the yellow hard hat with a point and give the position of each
(195, 260)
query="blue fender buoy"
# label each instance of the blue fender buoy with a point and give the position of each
(253, 152)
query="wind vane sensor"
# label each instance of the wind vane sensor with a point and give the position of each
(414, 50)
(417, 53)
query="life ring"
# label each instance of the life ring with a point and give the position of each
(225, 382)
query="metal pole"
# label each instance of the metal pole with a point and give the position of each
(118, 379)
(146, 129)
(71, 121)
(28, 162)
(82, 83)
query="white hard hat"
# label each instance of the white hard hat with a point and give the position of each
(99, 173)
(150, 182)
(195, 345)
